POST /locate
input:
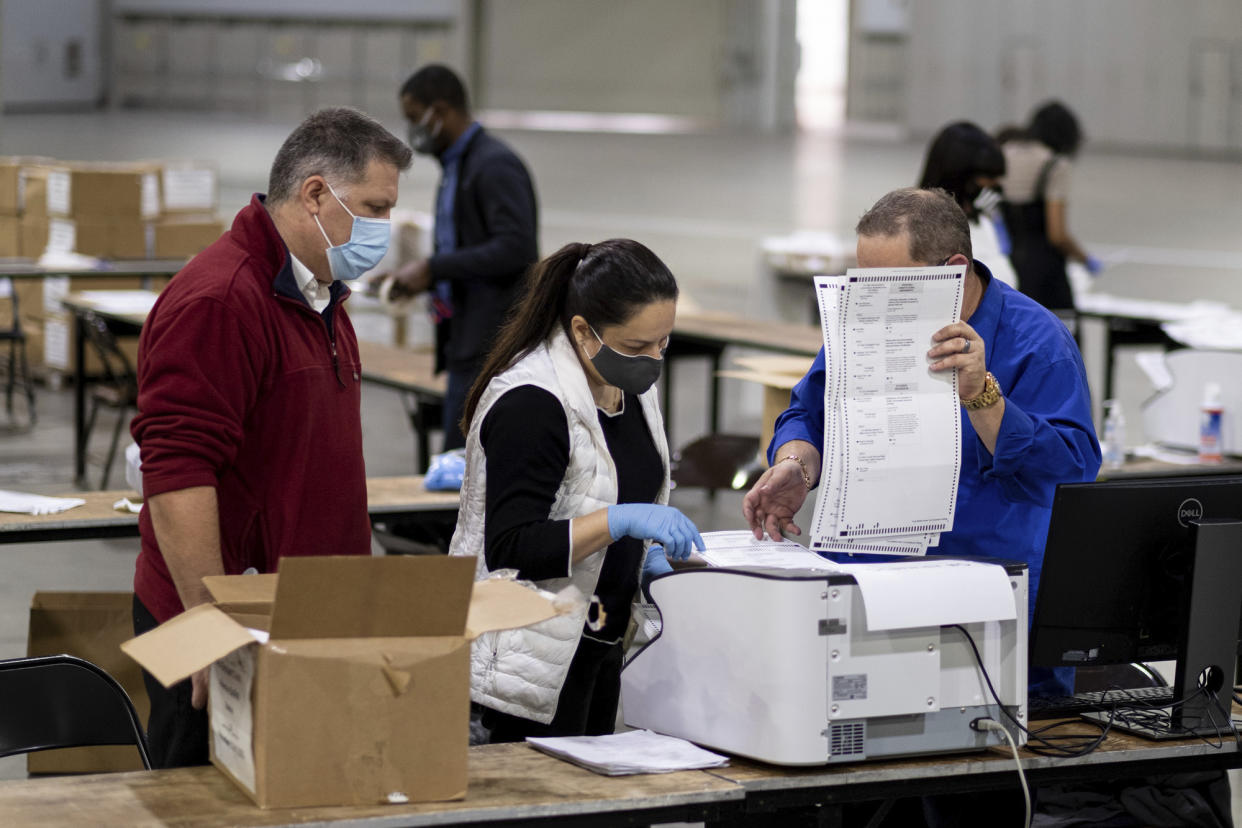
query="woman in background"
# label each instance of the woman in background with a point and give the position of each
(567, 477)
(1037, 184)
(967, 163)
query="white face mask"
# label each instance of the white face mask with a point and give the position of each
(367, 244)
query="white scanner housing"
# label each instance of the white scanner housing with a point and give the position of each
(779, 666)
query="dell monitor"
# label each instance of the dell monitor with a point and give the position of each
(1147, 570)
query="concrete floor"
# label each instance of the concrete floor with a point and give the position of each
(702, 202)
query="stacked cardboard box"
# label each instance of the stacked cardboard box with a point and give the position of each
(107, 210)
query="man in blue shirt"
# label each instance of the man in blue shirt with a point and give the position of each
(485, 231)
(1026, 408)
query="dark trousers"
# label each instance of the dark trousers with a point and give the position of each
(588, 701)
(176, 732)
(455, 394)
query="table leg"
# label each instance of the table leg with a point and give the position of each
(79, 402)
(714, 422)
(1109, 360)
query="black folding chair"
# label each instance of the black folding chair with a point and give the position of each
(18, 369)
(63, 701)
(116, 388)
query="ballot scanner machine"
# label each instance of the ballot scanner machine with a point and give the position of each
(782, 666)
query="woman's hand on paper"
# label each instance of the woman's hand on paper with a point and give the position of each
(958, 346)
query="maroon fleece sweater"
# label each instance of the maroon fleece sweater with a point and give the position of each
(242, 386)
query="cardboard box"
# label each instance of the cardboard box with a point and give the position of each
(182, 237)
(10, 193)
(361, 694)
(13, 170)
(115, 191)
(113, 238)
(89, 625)
(10, 237)
(50, 332)
(41, 233)
(45, 190)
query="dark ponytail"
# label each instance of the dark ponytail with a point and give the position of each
(605, 283)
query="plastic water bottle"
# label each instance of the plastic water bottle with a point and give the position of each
(1210, 416)
(1114, 444)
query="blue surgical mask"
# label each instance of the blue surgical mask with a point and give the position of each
(633, 374)
(368, 242)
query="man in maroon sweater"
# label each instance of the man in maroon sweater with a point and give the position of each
(248, 392)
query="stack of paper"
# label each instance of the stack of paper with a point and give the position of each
(30, 504)
(892, 427)
(740, 550)
(637, 751)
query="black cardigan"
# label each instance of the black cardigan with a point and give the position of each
(495, 216)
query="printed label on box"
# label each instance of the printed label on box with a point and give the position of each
(55, 289)
(150, 196)
(58, 193)
(62, 237)
(232, 718)
(189, 188)
(56, 344)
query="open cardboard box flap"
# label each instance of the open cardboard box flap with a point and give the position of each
(339, 597)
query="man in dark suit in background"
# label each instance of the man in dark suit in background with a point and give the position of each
(485, 231)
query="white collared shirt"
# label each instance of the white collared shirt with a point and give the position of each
(316, 292)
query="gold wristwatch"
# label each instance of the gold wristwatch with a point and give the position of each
(989, 396)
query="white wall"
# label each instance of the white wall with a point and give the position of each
(726, 61)
(49, 51)
(1140, 73)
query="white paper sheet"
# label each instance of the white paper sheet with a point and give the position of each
(232, 716)
(635, 751)
(31, 504)
(928, 593)
(739, 549)
(121, 301)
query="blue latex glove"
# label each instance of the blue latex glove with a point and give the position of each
(1094, 265)
(656, 563)
(651, 521)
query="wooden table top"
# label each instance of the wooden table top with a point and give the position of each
(405, 369)
(1115, 751)
(732, 329)
(384, 495)
(507, 782)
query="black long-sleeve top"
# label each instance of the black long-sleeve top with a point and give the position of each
(525, 436)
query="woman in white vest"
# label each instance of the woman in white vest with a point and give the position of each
(567, 481)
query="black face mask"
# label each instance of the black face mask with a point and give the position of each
(632, 374)
(421, 137)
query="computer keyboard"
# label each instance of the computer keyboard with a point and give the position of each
(1061, 707)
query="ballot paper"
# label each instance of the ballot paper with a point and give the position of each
(635, 751)
(740, 550)
(30, 504)
(892, 427)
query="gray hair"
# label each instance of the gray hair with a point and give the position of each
(935, 224)
(336, 143)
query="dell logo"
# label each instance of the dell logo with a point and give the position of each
(1190, 509)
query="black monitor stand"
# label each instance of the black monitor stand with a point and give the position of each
(1203, 689)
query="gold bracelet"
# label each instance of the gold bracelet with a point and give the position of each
(806, 476)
